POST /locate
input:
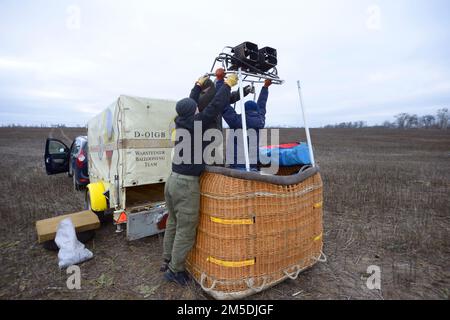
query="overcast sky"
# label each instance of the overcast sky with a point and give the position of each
(64, 61)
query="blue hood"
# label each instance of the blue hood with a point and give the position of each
(251, 106)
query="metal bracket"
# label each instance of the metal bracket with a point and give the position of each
(253, 75)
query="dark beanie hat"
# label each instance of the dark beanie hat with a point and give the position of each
(186, 107)
(251, 106)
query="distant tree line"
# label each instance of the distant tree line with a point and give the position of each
(402, 121)
(59, 125)
(411, 121)
(406, 121)
(354, 125)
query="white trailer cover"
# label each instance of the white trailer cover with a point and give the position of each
(132, 139)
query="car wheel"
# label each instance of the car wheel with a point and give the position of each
(70, 173)
(83, 237)
(76, 186)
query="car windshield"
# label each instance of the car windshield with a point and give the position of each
(84, 146)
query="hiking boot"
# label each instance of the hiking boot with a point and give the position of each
(164, 266)
(182, 278)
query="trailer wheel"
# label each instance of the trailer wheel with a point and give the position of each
(83, 237)
(87, 206)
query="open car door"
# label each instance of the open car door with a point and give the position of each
(56, 156)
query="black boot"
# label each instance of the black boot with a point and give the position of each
(182, 278)
(165, 265)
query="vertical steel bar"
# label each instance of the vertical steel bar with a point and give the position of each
(308, 137)
(244, 121)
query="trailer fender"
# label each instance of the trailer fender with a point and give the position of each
(97, 197)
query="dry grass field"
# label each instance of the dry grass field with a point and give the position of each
(387, 203)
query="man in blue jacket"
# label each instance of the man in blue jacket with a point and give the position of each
(205, 96)
(255, 114)
(182, 190)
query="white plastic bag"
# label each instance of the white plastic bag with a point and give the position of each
(71, 251)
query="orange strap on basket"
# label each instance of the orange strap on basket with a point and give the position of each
(231, 264)
(231, 221)
(318, 205)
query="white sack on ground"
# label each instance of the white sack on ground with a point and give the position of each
(71, 251)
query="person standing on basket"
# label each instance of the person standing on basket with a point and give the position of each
(255, 114)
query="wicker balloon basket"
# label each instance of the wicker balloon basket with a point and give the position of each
(256, 231)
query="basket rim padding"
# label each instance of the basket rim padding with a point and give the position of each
(272, 179)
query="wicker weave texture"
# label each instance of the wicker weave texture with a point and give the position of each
(253, 235)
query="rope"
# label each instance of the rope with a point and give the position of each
(293, 275)
(321, 258)
(250, 284)
(202, 280)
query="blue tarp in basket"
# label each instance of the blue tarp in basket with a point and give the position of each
(289, 154)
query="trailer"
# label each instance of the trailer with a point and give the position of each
(130, 151)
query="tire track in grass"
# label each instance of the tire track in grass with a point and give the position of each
(68, 140)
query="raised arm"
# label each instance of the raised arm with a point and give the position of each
(195, 93)
(220, 100)
(262, 99)
(233, 119)
(197, 89)
(234, 96)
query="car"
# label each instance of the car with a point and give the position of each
(74, 160)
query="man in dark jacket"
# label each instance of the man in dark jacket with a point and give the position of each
(209, 89)
(255, 114)
(203, 98)
(182, 190)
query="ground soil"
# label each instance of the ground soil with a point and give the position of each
(387, 203)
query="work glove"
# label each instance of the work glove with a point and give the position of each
(201, 80)
(220, 74)
(267, 83)
(232, 80)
